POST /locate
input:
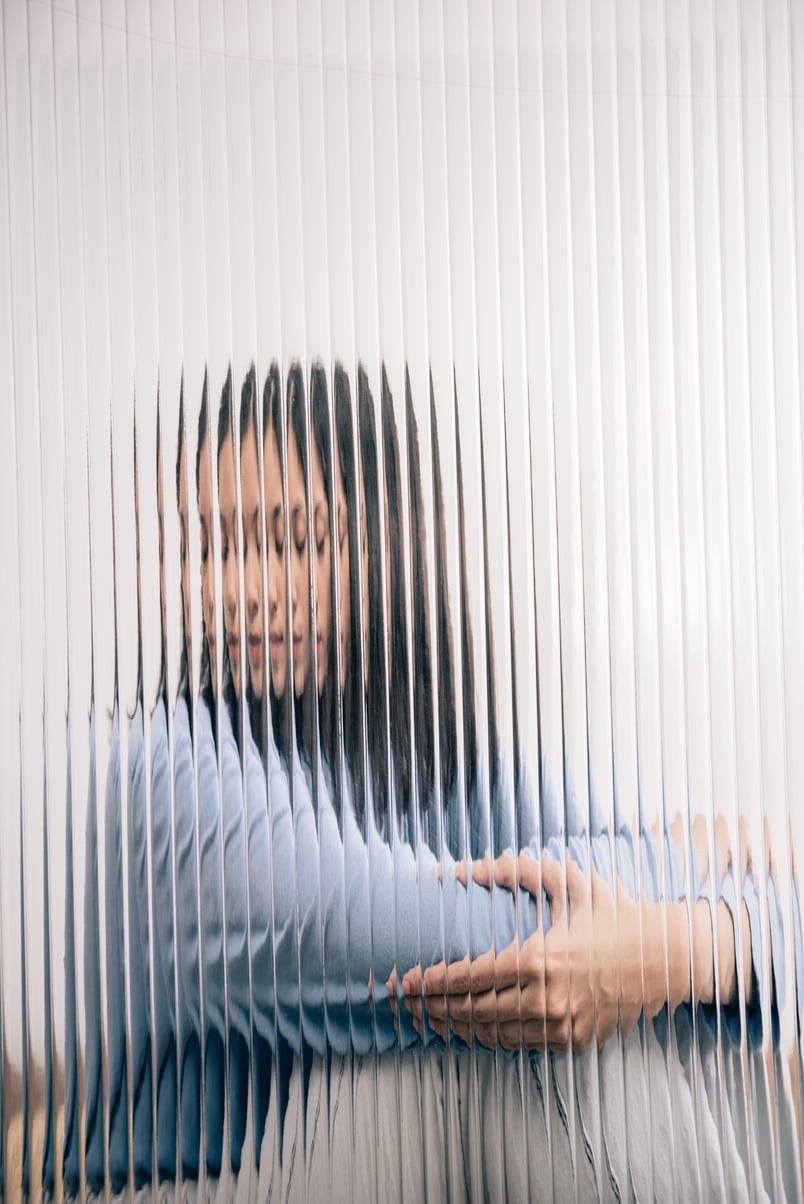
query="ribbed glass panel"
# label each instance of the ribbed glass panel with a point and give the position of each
(402, 545)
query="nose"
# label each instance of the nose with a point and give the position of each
(294, 590)
(273, 584)
(252, 587)
(230, 586)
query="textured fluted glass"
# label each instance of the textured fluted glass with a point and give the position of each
(401, 594)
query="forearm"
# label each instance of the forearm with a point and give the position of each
(671, 981)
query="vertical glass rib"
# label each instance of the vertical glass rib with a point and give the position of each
(52, 485)
(767, 380)
(743, 595)
(11, 901)
(624, 1083)
(26, 257)
(677, 788)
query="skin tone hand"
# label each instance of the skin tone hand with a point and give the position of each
(599, 963)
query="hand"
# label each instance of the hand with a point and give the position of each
(452, 995)
(565, 988)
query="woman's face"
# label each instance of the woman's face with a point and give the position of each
(345, 615)
(252, 556)
(185, 554)
(227, 496)
(275, 534)
(323, 570)
(299, 566)
(207, 565)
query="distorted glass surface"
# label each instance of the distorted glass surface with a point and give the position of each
(402, 591)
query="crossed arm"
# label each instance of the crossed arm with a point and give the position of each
(605, 958)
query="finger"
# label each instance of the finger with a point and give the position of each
(414, 1005)
(481, 973)
(463, 1031)
(553, 881)
(391, 984)
(511, 1035)
(506, 966)
(559, 1035)
(505, 871)
(461, 872)
(486, 1008)
(458, 977)
(435, 979)
(486, 1034)
(529, 874)
(481, 871)
(440, 1027)
(509, 1005)
(412, 981)
(436, 1007)
(533, 1035)
(460, 1008)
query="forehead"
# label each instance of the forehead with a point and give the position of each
(249, 476)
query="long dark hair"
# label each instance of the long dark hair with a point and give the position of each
(447, 728)
(226, 427)
(353, 677)
(376, 706)
(470, 742)
(181, 446)
(203, 441)
(422, 652)
(399, 688)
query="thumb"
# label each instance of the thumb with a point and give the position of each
(481, 871)
(530, 876)
(553, 882)
(505, 872)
